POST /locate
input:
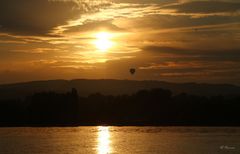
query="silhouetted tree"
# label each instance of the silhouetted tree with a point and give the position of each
(145, 107)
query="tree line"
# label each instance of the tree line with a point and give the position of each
(145, 107)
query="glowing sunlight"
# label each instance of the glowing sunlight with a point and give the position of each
(103, 41)
(103, 140)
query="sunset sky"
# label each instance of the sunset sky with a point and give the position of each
(169, 40)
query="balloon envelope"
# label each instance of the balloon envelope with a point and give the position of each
(132, 71)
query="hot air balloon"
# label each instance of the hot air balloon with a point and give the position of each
(132, 71)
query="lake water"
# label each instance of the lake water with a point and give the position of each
(123, 140)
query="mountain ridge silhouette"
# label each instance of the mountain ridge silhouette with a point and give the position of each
(86, 87)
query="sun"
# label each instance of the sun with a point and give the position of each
(103, 41)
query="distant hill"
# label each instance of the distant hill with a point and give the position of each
(113, 87)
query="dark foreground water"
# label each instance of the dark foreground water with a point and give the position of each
(123, 140)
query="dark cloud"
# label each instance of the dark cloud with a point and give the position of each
(35, 17)
(169, 21)
(176, 69)
(196, 54)
(205, 7)
(165, 49)
(145, 1)
(94, 26)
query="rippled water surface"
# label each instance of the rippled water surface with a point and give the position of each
(123, 140)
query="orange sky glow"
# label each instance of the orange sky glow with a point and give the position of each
(171, 40)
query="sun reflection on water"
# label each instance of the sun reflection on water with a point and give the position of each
(103, 140)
